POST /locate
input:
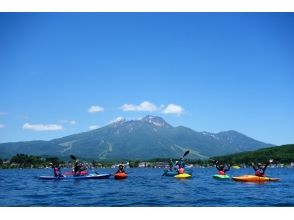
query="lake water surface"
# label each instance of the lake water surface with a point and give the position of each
(145, 188)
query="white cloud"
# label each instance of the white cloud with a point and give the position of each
(173, 109)
(42, 127)
(92, 127)
(118, 119)
(143, 107)
(95, 109)
(2, 126)
(3, 113)
(70, 122)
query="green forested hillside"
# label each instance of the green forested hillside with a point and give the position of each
(280, 154)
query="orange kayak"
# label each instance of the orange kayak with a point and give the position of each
(253, 178)
(120, 175)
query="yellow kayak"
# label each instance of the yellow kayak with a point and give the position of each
(183, 176)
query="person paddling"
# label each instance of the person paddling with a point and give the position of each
(260, 169)
(120, 169)
(222, 169)
(78, 168)
(180, 168)
(56, 170)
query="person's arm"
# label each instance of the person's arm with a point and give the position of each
(228, 166)
(268, 163)
(253, 166)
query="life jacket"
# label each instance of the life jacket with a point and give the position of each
(56, 172)
(221, 172)
(181, 170)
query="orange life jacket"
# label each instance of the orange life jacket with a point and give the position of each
(181, 170)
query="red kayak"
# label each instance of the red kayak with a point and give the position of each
(71, 173)
(120, 176)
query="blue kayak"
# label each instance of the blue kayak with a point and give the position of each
(174, 172)
(89, 176)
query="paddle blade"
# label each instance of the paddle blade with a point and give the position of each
(185, 154)
(73, 157)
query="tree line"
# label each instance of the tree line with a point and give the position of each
(281, 154)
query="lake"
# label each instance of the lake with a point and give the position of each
(145, 188)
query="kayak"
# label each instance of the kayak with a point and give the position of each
(89, 176)
(221, 177)
(183, 176)
(120, 176)
(252, 178)
(71, 173)
(174, 172)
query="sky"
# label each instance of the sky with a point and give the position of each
(66, 73)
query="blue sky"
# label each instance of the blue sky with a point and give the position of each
(65, 73)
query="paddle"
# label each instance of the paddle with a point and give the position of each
(185, 154)
(73, 157)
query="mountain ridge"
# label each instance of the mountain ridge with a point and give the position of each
(147, 138)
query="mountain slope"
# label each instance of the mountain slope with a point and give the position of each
(151, 137)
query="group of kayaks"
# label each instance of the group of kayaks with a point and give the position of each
(243, 178)
(85, 176)
(181, 172)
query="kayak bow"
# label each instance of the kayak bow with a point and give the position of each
(120, 176)
(183, 176)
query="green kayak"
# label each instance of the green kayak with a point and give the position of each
(221, 177)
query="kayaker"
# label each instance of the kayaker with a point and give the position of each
(78, 167)
(260, 169)
(120, 169)
(56, 170)
(222, 169)
(181, 169)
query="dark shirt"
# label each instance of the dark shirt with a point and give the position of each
(224, 168)
(260, 171)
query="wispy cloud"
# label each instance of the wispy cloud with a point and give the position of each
(42, 127)
(92, 127)
(3, 113)
(117, 120)
(2, 126)
(95, 109)
(70, 122)
(143, 107)
(173, 109)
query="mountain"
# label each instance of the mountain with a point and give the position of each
(280, 154)
(150, 137)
